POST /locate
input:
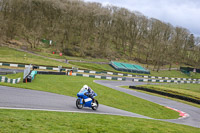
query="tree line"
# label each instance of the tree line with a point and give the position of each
(90, 29)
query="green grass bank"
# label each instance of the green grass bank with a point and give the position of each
(70, 86)
(57, 122)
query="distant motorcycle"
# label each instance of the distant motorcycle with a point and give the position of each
(85, 101)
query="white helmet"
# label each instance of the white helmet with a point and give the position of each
(85, 87)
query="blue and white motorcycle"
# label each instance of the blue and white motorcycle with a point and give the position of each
(85, 101)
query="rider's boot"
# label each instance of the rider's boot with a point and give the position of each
(94, 102)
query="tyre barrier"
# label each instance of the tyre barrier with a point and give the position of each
(167, 94)
(51, 73)
(5, 73)
(8, 80)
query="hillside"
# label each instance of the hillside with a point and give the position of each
(81, 29)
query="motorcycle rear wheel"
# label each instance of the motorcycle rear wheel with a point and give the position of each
(78, 105)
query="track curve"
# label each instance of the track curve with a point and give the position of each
(18, 98)
(194, 112)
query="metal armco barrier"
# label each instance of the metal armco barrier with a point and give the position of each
(8, 80)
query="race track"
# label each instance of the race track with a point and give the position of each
(194, 112)
(38, 100)
(18, 98)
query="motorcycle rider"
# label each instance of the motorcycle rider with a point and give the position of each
(85, 87)
(90, 93)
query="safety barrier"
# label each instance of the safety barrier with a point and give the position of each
(131, 75)
(8, 80)
(32, 66)
(166, 81)
(51, 73)
(190, 69)
(148, 78)
(166, 78)
(97, 76)
(167, 94)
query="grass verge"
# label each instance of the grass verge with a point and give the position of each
(71, 57)
(188, 90)
(14, 76)
(14, 56)
(96, 67)
(69, 85)
(182, 101)
(107, 67)
(43, 121)
(174, 74)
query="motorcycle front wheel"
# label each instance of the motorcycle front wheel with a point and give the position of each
(78, 105)
(96, 106)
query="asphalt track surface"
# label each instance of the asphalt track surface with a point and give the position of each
(194, 112)
(18, 98)
(11, 70)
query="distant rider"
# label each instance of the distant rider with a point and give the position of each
(90, 93)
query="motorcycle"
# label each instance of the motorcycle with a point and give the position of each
(85, 101)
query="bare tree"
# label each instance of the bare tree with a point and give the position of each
(90, 29)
